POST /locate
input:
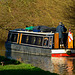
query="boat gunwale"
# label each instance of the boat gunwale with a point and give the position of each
(30, 45)
(43, 33)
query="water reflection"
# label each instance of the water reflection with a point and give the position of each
(2, 48)
(2, 45)
(60, 65)
(42, 62)
(63, 65)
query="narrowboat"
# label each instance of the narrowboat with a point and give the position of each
(38, 43)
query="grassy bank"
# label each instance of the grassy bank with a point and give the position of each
(13, 67)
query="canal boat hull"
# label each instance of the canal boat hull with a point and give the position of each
(26, 49)
(35, 50)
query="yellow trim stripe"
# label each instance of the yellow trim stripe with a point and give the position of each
(20, 38)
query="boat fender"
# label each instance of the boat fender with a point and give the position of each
(68, 52)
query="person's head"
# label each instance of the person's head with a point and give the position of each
(60, 23)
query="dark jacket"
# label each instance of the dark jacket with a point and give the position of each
(60, 29)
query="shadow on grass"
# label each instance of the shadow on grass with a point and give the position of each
(8, 61)
(20, 69)
(34, 71)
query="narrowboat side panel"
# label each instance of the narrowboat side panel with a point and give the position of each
(21, 48)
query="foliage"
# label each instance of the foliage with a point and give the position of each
(19, 13)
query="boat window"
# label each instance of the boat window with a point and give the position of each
(46, 41)
(9, 36)
(33, 40)
(39, 41)
(27, 39)
(24, 39)
(51, 41)
(14, 37)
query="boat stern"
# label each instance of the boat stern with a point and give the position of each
(62, 52)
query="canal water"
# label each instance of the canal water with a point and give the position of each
(2, 48)
(59, 65)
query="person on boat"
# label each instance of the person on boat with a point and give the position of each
(61, 29)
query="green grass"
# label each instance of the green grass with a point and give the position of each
(21, 69)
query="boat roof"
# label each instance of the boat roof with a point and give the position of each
(31, 32)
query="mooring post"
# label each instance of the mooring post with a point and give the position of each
(2, 63)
